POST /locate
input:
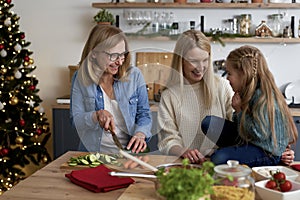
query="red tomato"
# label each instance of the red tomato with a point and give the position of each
(271, 184)
(279, 176)
(285, 186)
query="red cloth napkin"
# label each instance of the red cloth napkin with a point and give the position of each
(98, 180)
(295, 167)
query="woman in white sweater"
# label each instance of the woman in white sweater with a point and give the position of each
(193, 91)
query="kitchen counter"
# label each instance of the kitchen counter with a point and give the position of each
(295, 112)
(50, 183)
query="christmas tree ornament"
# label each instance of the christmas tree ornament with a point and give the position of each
(7, 21)
(18, 74)
(3, 53)
(41, 109)
(45, 159)
(26, 64)
(31, 103)
(26, 58)
(8, 1)
(4, 151)
(17, 47)
(1, 105)
(14, 100)
(45, 127)
(1, 46)
(22, 36)
(32, 87)
(39, 131)
(3, 70)
(22, 122)
(31, 61)
(19, 139)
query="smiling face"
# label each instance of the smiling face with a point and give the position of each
(195, 64)
(115, 58)
(234, 78)
(110, 60)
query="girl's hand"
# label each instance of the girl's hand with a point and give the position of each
(105, 119)
(236, 102)
(194, 156)
(288, 156)
(138, 143)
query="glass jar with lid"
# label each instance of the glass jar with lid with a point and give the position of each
(275, 22)
(233, 179)
(245, 24)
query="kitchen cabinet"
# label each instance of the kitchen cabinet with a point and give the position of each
(246, 6)
(65, 137)
(296, 147)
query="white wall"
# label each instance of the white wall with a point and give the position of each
(58, 29)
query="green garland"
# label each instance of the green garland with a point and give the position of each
(216, 36)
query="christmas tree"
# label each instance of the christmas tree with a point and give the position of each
(24, 130)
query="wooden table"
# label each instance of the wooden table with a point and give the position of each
(50, 183)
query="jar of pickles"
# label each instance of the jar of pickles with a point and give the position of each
(233, 181)
(245, 24)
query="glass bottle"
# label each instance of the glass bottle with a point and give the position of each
(299, 29)
(245, 24)
(235, 179)
(276, 24)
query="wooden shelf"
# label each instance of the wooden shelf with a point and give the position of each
(261, 40)
(200, 5)
(225, 40)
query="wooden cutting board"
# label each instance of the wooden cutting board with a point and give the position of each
(154, 160)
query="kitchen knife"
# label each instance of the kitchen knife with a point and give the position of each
(115, 138)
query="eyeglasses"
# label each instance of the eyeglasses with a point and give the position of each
(116, 56)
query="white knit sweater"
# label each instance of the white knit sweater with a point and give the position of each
(181, 112)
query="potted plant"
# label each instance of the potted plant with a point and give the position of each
(104, 17)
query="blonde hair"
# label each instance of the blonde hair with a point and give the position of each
(102, 37)
(187, 41)
(252, 65)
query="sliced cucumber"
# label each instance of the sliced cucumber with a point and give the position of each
(85, 162)
(94, 160)
(73, 164)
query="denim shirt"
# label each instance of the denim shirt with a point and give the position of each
(132, 98)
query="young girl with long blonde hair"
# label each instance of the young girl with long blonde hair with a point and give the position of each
(264, 124)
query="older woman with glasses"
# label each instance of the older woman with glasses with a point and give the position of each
(108, 95)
